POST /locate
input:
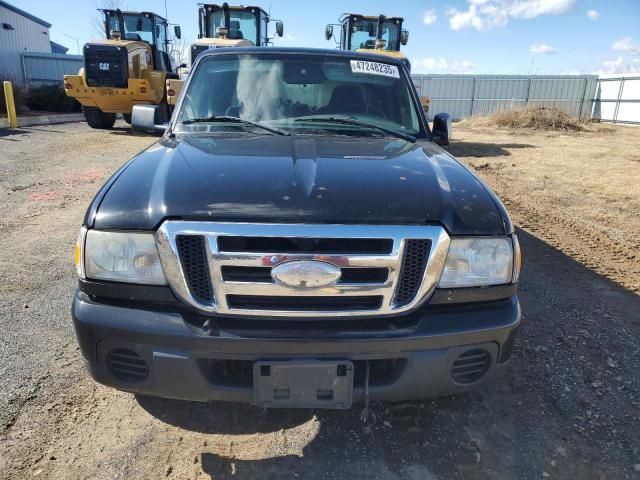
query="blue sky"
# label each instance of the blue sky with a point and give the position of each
(446, 36)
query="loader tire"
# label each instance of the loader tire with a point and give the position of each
(96, 118)
(127, 117)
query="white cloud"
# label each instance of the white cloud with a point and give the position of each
(625, 45)
(619, 65)
(542, 48)
(429, 17)
(613, 65)
(442, 65)
(486, 15)
(593, 14)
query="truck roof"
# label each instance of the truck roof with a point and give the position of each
(233, 7)
(129, 12)
(360, 55)
(369, 17)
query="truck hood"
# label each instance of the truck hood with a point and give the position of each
(310, 179)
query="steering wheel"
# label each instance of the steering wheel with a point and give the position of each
(359, 108)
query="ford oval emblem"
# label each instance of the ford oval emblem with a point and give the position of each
(306, 274)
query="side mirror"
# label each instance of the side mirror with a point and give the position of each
(404, 37)
(328, 32)
(279, 28)
(441, 128)
(177, 32)
(139, 24)
(146, 118)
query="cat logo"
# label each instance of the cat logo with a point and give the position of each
(103, 66)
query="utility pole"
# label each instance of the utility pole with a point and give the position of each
(76, 40)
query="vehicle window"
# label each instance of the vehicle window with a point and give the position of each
(242, 25)
(161, 36)
(112, 24)
(138, 27)
(363, 34)
(283, 92)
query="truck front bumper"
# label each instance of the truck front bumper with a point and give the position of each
(171, 357)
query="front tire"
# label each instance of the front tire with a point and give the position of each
(127, 117)
(96, 118)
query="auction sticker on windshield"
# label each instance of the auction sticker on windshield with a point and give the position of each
(374, 68)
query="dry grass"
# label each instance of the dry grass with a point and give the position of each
(536, 118)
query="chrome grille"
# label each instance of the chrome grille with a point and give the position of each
(239, 258)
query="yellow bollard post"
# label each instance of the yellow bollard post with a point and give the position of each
(11, 106)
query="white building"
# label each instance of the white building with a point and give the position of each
(19, 32)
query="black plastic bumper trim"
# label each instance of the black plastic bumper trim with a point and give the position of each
(472, 295)
(127, 291)
(172, 347)
(150, 293)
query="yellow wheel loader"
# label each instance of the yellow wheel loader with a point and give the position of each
(367, 33)
(381, 34)
(226, 26)
(129, 67)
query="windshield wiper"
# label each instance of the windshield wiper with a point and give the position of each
(230, 119)
(353, 121)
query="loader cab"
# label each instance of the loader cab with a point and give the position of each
(359, 32)
(232, 26)
(144, 27)
(236, 23)
(381, 35)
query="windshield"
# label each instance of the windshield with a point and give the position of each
(363, 34)
(298, 92)
(136, 26)
(242, 25)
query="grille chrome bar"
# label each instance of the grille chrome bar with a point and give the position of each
(399, 234)
(242, 288)
(251, 259)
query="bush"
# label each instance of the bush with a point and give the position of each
(51, 98)
(537, 118)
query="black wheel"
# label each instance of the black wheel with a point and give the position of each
(96, 118)
(127, 117)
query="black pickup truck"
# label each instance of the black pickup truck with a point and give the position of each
(296, 238)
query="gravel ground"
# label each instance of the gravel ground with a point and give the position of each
(48, 175)
(569, 406)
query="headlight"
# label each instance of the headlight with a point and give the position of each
(123, 257)
(476, 262)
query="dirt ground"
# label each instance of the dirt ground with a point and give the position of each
(568, 185)
(569, 406)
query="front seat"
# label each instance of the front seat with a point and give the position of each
(346, 99)
(369, 44)
(234, 30)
